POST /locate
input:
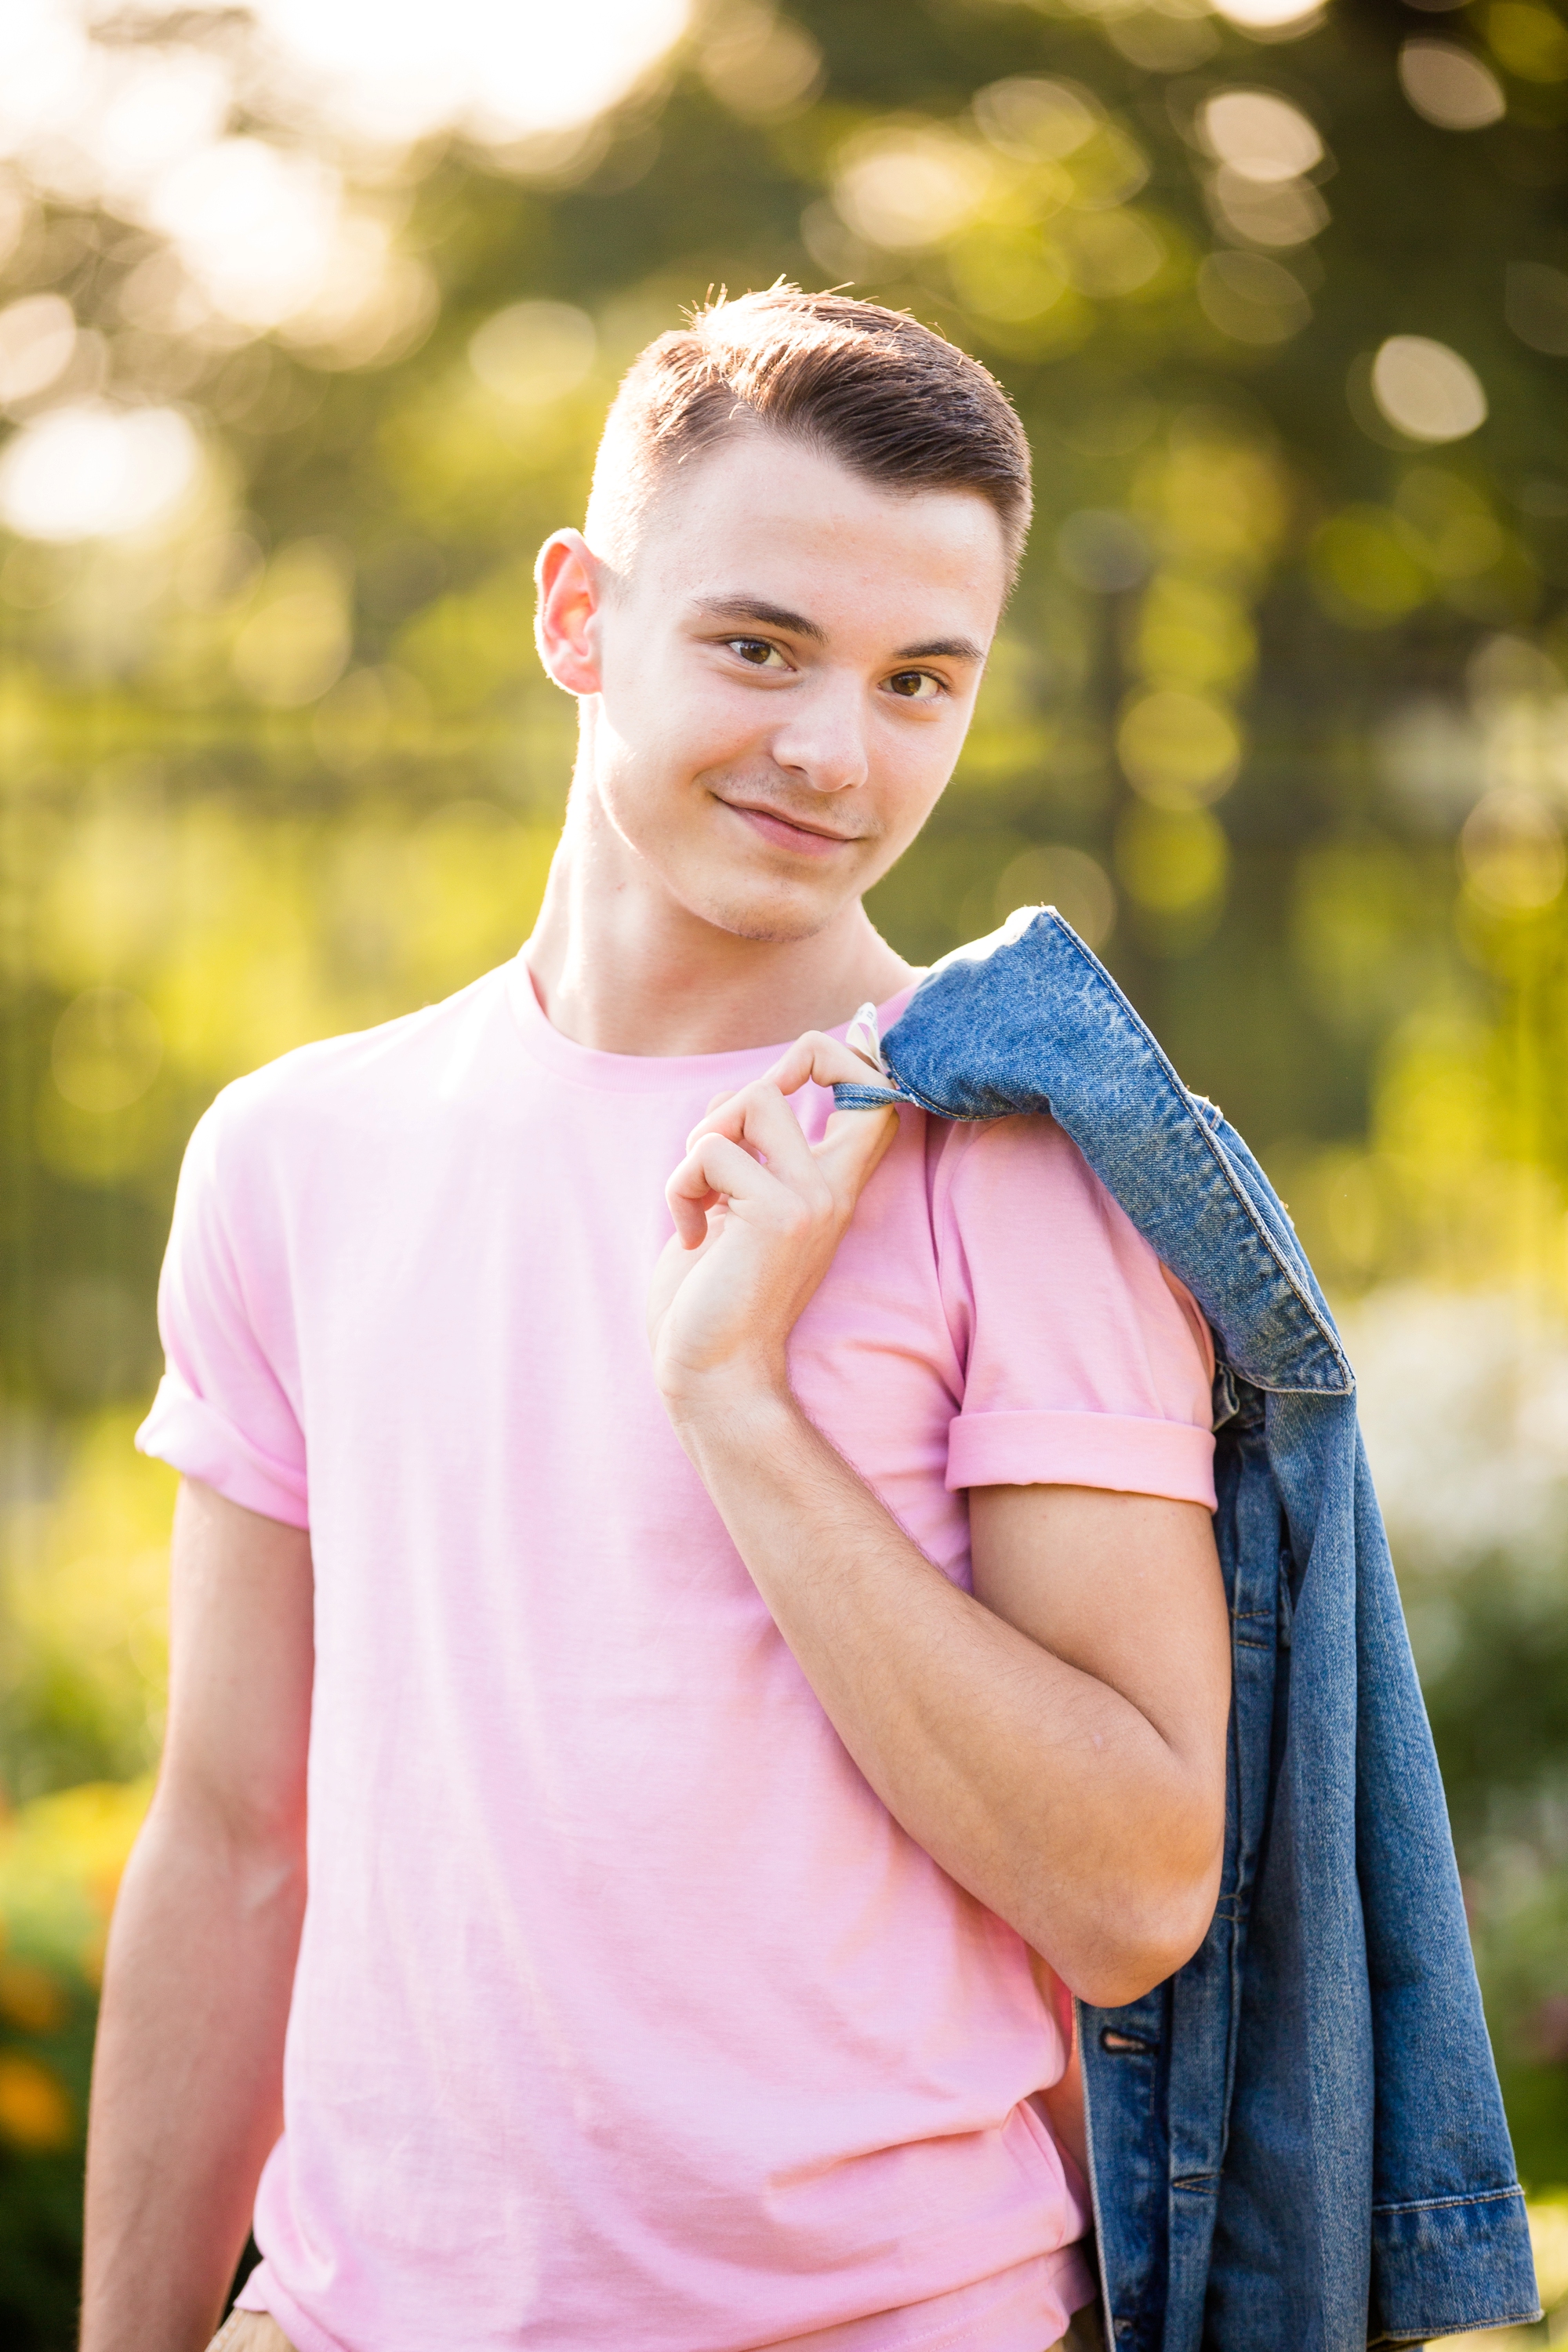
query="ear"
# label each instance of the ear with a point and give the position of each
(570, 583)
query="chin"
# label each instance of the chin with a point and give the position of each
(774, 919)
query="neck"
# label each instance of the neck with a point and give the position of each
(621, 966)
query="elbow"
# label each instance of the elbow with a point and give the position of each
(1140, 1945)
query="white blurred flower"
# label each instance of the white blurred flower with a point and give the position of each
(95, 472)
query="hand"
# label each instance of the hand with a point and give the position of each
(757, 1215)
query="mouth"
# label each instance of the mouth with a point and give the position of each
(789, 833)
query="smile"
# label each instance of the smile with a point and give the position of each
(785, 832)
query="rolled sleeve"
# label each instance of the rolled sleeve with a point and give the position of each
(1129, 1455)
(199, 1441)
(1085, 1362)
(227, 1411)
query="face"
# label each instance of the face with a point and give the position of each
(778, 693)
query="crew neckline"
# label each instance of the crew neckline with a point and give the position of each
(649, 1073)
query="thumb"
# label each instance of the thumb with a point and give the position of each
(853, 1144)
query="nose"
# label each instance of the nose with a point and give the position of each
(822, 736)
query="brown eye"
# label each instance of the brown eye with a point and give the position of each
(914, 684)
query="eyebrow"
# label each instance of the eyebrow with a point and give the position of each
(777, 617)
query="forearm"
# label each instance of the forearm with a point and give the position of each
(1037, 1786)
(187, 2079)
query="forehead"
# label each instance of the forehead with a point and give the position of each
(802, 530)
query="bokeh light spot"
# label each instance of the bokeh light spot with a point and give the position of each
(37, 336)
(533, 352)
(106, 1050)
(1450, 86)
(1055, 874)
(1260, 134)
(89, 471)
(1426, 390)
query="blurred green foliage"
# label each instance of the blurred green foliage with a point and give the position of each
(1279, 717)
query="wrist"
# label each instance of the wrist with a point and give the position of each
(735, 1406)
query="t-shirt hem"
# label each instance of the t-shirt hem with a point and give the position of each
(1022, 2322)
(261, 2293)
(186, 1433)
(1129, 1455)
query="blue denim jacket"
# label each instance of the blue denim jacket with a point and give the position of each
(1297, 2143)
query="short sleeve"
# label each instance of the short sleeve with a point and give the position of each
(1086, 1364)
(224, 1413)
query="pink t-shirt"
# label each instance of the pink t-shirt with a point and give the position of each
(626, 2014)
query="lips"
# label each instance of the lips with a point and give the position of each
(788, 833)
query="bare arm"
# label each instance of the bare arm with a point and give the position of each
(188, 2076)
(1056, 1742)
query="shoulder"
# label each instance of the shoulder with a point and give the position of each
(1017, 1206)
(980, 1165)
(378, 1077)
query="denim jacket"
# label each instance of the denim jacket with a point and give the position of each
(1297, 2142)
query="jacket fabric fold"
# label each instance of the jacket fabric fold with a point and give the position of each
(1297, 2143)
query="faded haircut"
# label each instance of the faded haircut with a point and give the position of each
(891, 400)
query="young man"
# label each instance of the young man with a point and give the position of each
(727, 1681)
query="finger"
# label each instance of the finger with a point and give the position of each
(816, 1059)
(716, 1170)
(762, 1122)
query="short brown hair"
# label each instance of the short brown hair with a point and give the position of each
(891, 400)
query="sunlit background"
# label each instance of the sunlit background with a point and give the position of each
(308, 311)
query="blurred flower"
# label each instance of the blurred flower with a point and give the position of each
(532, 353)
(35, 2110)
(1535, 305)
(1251, 299)
(37, 336)
(1449, 85)
(92, 471)
(1463, 1396)
(32, 1999)
(1259, 135)
(1426, 390)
